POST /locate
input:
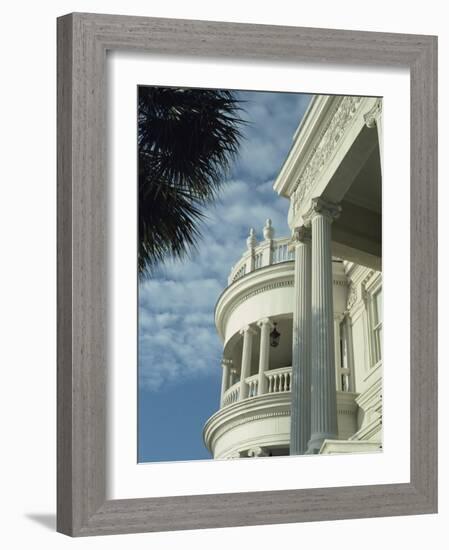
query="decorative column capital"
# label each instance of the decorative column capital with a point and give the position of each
(256, 452)
(247, 329)
(265, 321)
(352, 297)
(226, 362)
(324, 208)
(301, 234)
(373, 114)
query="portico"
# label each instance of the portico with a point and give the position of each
(332, 178)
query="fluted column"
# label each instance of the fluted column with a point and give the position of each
(264, 354)
(225, 378)
(323, 394)
(247, 333)
(300, 413)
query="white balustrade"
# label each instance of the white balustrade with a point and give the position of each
(268, 252)
(252, 382)
(258, 260)
(232, 395)
(278, 380)
(240, 273)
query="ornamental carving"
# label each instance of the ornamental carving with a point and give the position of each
(325, 146)
(352, 297)
(365, 293)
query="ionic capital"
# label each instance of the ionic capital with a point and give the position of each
(265, 321)
(248, 329)
(321, 207)
(301, 234)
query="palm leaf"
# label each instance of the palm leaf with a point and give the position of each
(187, 140)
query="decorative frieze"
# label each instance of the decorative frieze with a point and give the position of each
(265, 288)
(325, 146)
(230, 425)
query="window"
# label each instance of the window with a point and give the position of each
(376, 326)
(344, 369)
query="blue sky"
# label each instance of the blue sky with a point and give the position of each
(179, 349)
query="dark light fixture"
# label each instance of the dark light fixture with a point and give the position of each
(274, 337)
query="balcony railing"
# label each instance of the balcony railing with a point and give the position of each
(232, 395)
(278, 380)
(269, 252)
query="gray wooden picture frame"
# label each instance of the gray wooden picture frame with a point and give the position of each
(83, 40)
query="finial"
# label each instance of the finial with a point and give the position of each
(268, 230)
(251, 240)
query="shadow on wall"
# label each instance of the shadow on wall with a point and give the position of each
(46, 520)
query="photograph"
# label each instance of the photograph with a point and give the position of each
(225, 286)
(259, 274)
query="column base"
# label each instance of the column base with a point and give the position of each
(317, 440)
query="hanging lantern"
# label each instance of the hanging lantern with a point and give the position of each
(274, 337)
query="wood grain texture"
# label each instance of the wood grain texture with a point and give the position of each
(83, 40)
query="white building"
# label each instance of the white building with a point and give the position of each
(301, 317)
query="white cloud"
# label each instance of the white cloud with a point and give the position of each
(178, 339)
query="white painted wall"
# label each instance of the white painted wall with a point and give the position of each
(27, 218)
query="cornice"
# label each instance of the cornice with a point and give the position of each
(265, 288)
(305, 139)
(264, 406)
(248, 410)
(228, 426)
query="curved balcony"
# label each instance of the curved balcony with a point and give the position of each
(278, 380)
(259, 424)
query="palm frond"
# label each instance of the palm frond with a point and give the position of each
(187, 140)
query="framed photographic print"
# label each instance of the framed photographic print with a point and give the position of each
(246, 274)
